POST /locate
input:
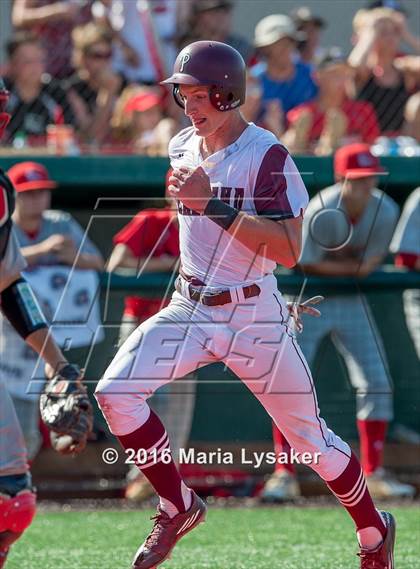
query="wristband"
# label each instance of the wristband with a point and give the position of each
(21, 308)
(221, 213)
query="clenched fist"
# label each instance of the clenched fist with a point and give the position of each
(191, 187)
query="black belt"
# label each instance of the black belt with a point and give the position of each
(218, 298)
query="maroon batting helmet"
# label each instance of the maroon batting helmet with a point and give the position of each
(215, 65)
(4, 99)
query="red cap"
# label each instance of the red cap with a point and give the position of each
(356, 161)
(142, 102)
(30, 176)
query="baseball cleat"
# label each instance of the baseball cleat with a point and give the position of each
(280, 487)
(383, 556)
(166, 533)
(382, 484)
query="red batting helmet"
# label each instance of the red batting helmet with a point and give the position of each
(4, 99)
(216, 65)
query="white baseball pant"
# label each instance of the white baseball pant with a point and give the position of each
(252, 338)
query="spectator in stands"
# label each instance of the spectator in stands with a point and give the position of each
(46, 237)
(346, 233)
(150, 243)
(36, 100)
(400, 15)
(382, 78)
(53, 21)
(145, 34)
(139, 121)
(311, 25)
(333, 118)
(283, 82)
(93, 88)
(406, 246)
(212, 20)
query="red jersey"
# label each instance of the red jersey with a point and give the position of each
(152, 231)
(361, 119)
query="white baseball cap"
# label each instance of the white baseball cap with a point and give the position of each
(273, 28)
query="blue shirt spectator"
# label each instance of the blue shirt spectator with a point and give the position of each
(291, 92)
(280, 81)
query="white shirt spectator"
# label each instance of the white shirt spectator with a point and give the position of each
(125, 18)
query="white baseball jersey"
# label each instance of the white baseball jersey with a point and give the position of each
(255, 174)
(365, 238)
(406, 238)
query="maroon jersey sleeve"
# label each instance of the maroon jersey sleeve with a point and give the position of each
(270, 193)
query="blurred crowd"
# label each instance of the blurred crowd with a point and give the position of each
(84, 75)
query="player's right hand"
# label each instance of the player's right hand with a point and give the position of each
(191, 187)
(62, 246)
(297, 309)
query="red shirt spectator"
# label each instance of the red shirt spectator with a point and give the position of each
(333, 119)
(361, 120)
(153, 233)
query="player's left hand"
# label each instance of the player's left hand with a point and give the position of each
(296, 310)
(66, 410)
(191, 187)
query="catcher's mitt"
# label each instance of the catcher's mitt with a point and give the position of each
(66, 410)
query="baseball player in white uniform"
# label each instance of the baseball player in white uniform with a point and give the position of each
(241, 202)
(406, 246)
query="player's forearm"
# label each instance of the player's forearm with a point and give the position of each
(277, 241)
(152, 265)
(44, 345)
(33, 253)
(342, 267)
(19, 305)
(123, 258)
(89, 261)
(158, 264)
(331, 268)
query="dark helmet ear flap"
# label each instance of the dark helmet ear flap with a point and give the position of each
(178, 97)
(224, 98)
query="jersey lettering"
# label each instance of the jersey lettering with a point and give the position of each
(230, 196)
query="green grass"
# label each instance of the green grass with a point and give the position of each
(255, 538)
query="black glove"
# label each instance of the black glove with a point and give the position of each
(66, 410)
